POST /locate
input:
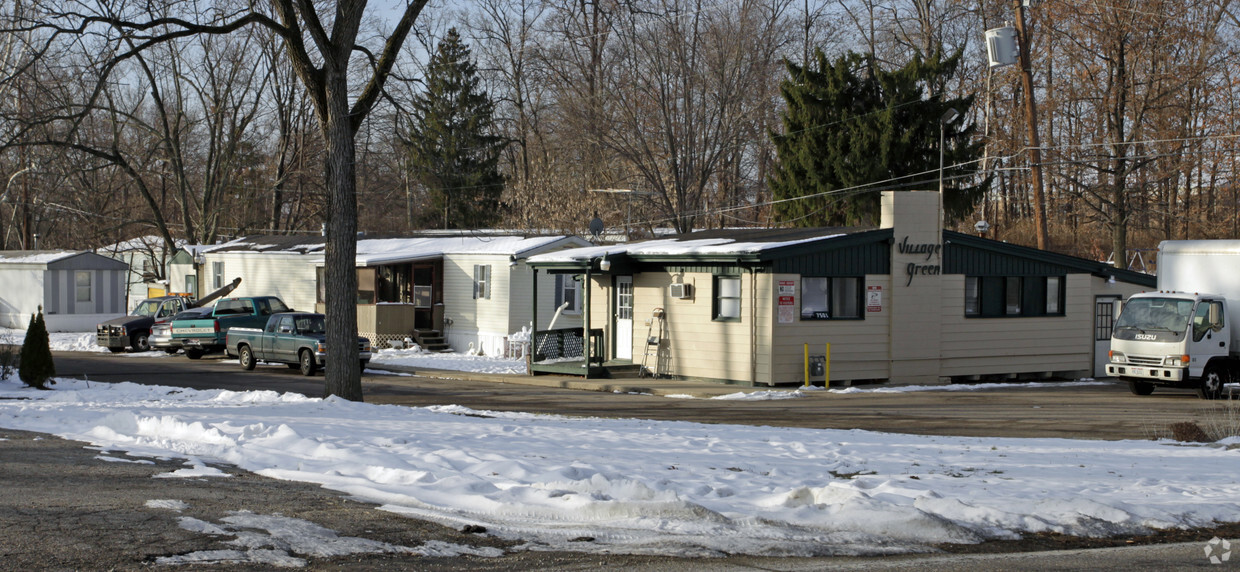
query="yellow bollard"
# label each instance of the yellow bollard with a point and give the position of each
(805, 363)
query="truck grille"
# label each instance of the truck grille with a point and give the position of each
(1142, 360)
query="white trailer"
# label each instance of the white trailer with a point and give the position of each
(1183, 335)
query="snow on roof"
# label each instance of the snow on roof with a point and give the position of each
(147, 242)
(373, 251)
(709, 243)
(35, 256)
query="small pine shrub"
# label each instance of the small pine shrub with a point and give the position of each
(36, 368)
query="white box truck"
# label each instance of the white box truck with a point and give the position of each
(1182, 335)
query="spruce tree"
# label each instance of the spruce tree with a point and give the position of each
(852, 129)
(453, 151)
(36, 368)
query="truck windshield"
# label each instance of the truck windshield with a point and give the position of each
(147, 308)
(1156, 314)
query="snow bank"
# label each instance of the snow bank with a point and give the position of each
(639, 486)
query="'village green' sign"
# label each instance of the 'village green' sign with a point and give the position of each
(930, 250)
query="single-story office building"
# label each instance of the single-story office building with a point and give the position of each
(907, 303)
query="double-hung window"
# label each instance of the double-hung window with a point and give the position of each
(482, 281)
(727, 301)
(568, 290)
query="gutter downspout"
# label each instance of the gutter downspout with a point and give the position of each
(753, 327)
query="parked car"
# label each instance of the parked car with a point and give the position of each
(298, 339)
(134, 330)
(206, 334)
(161, 332)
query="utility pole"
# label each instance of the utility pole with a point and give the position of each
(1031, 123)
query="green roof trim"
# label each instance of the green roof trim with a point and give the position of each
(976, 256)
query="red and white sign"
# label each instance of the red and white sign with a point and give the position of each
(874, 298)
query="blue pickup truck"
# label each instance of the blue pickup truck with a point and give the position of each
(207, 334)
(298, 339)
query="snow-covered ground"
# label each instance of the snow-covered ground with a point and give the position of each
(641, 486)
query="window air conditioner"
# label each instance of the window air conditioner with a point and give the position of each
(679, 290)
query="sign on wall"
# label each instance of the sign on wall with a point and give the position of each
(787, 301)
(873, 298)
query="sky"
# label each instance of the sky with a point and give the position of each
(634, 486)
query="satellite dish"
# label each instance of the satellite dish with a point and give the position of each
(596, 226)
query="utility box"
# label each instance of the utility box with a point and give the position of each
(817, 366)
(1001, 46)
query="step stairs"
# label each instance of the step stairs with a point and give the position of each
(431, 341)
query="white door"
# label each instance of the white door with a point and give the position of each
(624, 317)
(1104, 322)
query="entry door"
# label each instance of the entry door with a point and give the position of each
(1104, 323)
(624, 317)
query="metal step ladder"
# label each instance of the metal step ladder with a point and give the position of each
(655, 329)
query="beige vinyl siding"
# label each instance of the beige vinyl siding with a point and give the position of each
(859, 348)
(287, 276)
(482, 321)
(978, 346)
(697, 346)
(523, 308)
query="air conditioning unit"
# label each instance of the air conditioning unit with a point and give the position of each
(679, 290)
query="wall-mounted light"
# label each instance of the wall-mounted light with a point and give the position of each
(604, 264)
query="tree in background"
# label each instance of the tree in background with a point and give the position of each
(852, 129)
(36, 366)
(451, 141)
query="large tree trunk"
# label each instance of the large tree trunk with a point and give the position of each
(343, 374)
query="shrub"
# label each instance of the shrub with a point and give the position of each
(1189, 432)
(36, 367)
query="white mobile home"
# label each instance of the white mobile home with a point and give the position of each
(906, 302)
(148, 262)
(77, 290)
(459, 289)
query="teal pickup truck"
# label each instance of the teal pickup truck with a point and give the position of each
(298, 339)
(207, 334)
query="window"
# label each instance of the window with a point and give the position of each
(1054, 295)
(825, 298)
(1013, 296)
(482, 281)
(191, 285)
(972, 296)
(727, 298)
(1207, 318)
(217, 274)
(568, 289)
(82, 282)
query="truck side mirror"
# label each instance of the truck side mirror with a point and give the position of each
(1116, 307)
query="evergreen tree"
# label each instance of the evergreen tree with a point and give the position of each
(36, 367)
(852, 129)
(453, 151)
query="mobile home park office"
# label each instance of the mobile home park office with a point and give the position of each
(905, 303)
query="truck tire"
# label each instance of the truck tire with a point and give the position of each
(1213, 379)
(246, 356)
(140, 342)
(1140, 387)
(306, 361)
(193, 354)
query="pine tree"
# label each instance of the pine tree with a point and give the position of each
(452, 149)
(36, 367)
(852, 129)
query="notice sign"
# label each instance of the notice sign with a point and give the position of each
(787, 301)
(874, 298)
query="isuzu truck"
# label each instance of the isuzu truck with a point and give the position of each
(1183, 335)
